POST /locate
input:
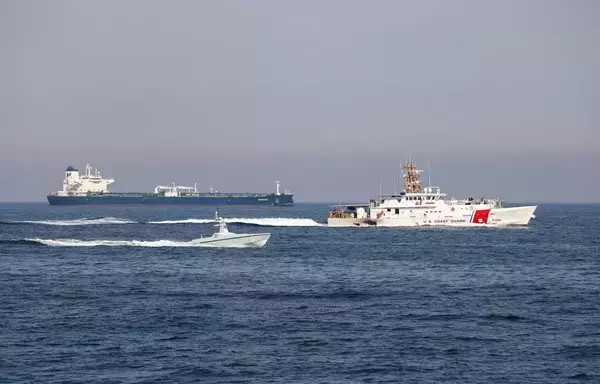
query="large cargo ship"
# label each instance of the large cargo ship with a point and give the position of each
(92, 189)
(427, 206)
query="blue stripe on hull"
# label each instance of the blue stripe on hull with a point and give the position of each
(278, 200)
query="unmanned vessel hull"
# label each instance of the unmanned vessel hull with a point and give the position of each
(257, 240)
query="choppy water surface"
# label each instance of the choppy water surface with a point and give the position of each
(114, 295)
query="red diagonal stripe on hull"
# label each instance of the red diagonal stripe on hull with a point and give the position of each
(481, 216)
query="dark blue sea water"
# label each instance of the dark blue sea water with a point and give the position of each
(317, 305)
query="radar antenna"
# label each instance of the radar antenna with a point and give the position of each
(412, 184)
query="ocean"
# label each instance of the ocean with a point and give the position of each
(111, 294)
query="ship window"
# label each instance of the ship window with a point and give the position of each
(389, 210)
(397, 211)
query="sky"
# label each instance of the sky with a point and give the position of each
(497, 98)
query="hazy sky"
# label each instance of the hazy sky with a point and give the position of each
(501, 97)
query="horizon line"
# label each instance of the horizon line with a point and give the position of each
(303, 202)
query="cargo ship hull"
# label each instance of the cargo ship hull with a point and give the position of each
(90, 188)
(154, 199)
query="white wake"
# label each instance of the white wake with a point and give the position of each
(83, 221)
(120, 243)
(261, 221)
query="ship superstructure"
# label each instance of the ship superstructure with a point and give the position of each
(90, 182)
(91, 189)
(418, 205)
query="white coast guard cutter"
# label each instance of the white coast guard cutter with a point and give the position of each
(417, 206)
